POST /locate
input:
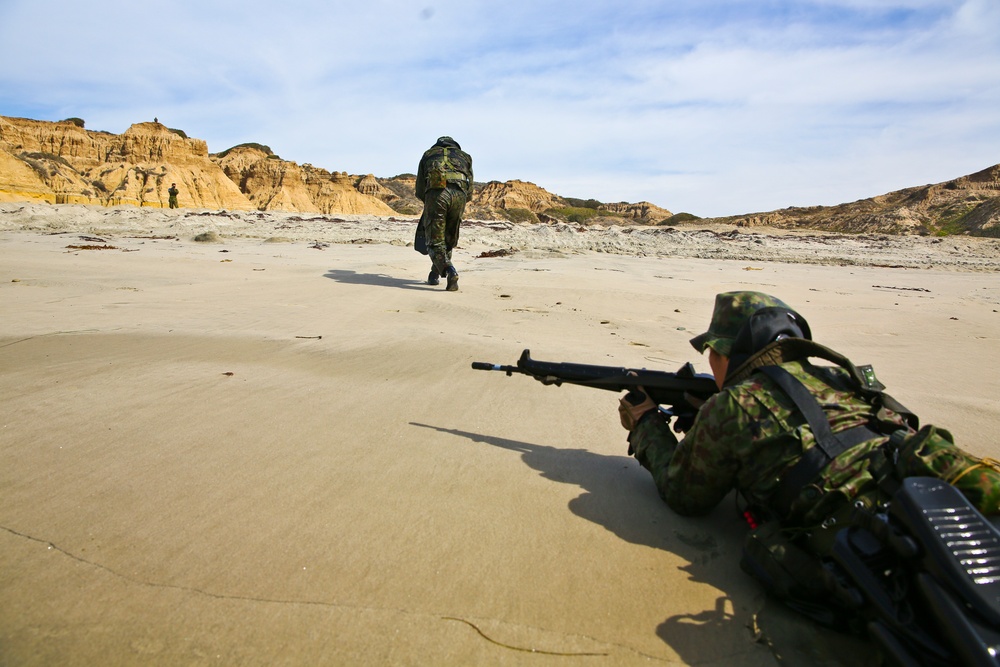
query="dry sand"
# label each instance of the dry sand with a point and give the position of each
(276, 453)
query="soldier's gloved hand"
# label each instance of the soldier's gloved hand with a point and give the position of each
(632, 406)
(695, 402)
(685, 419)
(684, 423)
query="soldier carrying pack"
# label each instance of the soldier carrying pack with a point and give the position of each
(444, 164)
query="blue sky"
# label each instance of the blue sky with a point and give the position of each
(714, 107)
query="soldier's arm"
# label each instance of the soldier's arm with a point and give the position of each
(472, 179)
(692, 476)
(418, 188)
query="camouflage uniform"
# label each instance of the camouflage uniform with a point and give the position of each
(172, 195)
(444, 207)
(750, 433)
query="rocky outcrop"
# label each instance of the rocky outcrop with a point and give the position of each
(516, 194)
(24, 179)
(64, 163)
(642, 211)
(369, 185)
(273, 184)
(74, 165)
(336, 193)
(269, 183)
(400, 194)
(66, 139)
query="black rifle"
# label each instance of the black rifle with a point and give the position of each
(682, 392)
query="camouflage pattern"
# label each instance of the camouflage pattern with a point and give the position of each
(444, 207)
(747, 436)
(749, 433)
(732, 309)
(931, 452)
(172, 193)
(459, 167)
(442, 218)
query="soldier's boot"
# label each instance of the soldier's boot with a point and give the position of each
(452, 280)
(433, 278)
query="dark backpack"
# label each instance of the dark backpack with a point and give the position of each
(444, 166)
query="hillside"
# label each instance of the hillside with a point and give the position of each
(64, 163)
(966, 205)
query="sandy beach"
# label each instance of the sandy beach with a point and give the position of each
(272, 450)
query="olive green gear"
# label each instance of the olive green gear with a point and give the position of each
(732, 310)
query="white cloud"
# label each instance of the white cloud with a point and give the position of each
(710, 106)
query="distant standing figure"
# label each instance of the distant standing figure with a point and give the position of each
(173, 192)
(444, 183)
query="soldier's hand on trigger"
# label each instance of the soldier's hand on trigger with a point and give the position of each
(632, 406)
(684, 423)
(695, 402)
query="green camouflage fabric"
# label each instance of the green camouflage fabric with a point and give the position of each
(444, 207)
(459, 166)
(732, 309)
(749, 433)
(172, 196)
(442, 218)
(931, 452)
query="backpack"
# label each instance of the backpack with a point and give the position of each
(791, 574)
(442, 167)
(437, 167)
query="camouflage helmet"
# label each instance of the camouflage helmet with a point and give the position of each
(447, 142)
(732, 309)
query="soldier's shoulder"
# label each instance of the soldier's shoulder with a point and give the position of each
(819, 377)
(732, 399)
(747, 397)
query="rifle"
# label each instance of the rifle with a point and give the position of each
(683, 391)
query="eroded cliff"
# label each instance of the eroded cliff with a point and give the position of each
(61, 162)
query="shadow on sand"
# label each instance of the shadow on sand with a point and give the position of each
(377, 280)
(619, 495)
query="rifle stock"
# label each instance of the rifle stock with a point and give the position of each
(675, 390)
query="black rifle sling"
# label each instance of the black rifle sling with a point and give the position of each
(828, 445)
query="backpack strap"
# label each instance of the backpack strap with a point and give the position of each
(828, 445)
(797, 349)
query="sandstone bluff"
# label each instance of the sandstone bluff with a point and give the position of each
(62, 162)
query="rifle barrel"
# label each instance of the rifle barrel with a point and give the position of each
(484, 366)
